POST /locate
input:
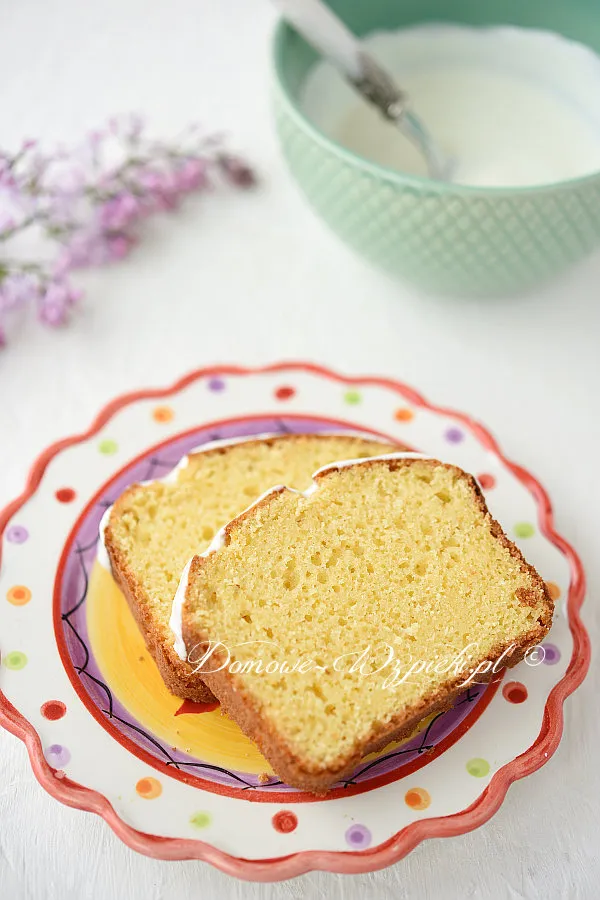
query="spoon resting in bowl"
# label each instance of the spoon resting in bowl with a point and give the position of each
(333, 39)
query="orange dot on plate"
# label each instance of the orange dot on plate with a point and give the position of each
(553, 589)
(486, 481)
(149, 788)
(417, 798)
(404, 414)
(514, 692)
(18, 595)
(162, 413)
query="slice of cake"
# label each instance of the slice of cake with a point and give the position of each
(348, 613)
(153, 529)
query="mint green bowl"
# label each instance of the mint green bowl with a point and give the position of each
(444, 238)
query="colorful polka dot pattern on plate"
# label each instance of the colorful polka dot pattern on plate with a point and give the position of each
(284, 392)
(18, 595)
(108, 447)
(358, 836)
(551, 654)
(553, 590)
(524, 529)
(352, 397)
(149, 788)
(285, 821)
(65, 495)
(514, 692)
(15, 660)
(486, 481)
(454, 435)
(200, 820)
(404, 414)
(163, 414)
(17, 534)
(189, 820)
(478, 767)
(57, 756)
(417, 798)
(53, 710)
(216, 384)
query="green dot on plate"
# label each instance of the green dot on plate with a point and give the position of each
(524, 529)
(352, 397)
(15, 660)
(478, 767)
(200, 819)
(107, 446)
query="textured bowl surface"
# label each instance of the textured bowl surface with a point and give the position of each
(441, 237)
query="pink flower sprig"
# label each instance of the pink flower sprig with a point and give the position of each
(85, 207)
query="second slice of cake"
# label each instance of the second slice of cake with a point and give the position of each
(154, 528)
(329, 623)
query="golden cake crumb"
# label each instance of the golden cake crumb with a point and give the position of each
(393, 557)
(155, 528)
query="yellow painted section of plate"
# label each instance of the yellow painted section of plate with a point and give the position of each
(134, 679)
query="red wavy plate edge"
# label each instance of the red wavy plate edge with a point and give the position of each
(400, 844)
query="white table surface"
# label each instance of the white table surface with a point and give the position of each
(251, 279)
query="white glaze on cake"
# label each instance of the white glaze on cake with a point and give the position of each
(171, 477)
(177, 612)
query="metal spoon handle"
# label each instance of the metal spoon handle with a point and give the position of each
(327, 34)
(334, 40)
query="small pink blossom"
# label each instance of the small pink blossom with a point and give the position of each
(148, 179)
(167, 192)
(71, 182)
(7, 178)
(56, 302)
(62, 263)
(16, 289)
(119, 212)
(118, 246)
(61, 209)
(192, 175)
(82, 250)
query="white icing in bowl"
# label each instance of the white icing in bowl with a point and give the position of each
(514, 107)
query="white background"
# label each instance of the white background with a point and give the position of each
(251, 279)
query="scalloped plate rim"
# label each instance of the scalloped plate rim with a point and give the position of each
(400, 844)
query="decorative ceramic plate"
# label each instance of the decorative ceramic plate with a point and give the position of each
(179, 780)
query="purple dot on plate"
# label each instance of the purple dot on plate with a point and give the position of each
(216, 384)
(454, 435)
(552, 654)
(57, 755)
(358, 836)
(16, 534)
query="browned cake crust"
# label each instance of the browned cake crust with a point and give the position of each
(239, 704)
(178, 675)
